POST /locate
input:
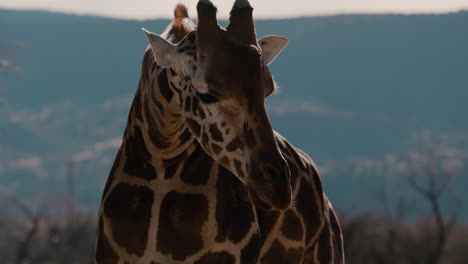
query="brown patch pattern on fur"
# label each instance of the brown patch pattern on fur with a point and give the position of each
(266, 221)
(236, 143)
(249, 136)
(105, 254)
(216, 149)
(197, 167)
(163, 82)
(292, 227)
(188, 104)
(136, 105)
(238, 166)
(128, 209)
(279, 254)
(216, 133)
(249, 254)
(309, 211)
(325, 248)
(181, 220)
(138, 162)
(222, 257)
(111, 176)
(159, 140)
(234, 213)
(194, 126)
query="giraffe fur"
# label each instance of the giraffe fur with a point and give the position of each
(181, 188)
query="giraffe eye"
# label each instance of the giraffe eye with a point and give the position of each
(208, 98)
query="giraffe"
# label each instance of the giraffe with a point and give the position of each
(201, 176)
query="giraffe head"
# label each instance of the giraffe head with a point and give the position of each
(226, 80)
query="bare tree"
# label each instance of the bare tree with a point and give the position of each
(392, 232)
(23, 246)
(430, 177)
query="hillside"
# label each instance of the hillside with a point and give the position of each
(353, 89)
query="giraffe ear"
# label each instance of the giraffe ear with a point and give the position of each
(271, 46)
(163, 50)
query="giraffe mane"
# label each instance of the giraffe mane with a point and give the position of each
(181, 26)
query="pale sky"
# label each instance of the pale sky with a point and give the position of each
(150, 9)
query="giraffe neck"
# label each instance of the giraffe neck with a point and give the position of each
(155, 123)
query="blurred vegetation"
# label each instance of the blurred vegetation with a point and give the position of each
(35, 236)
(369, 238)
(60, 232)
(377, 239)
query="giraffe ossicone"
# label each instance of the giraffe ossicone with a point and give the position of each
(201, 176)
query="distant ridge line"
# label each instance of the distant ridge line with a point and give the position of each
(170, 17)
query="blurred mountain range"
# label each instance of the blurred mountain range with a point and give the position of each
(357, 92)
